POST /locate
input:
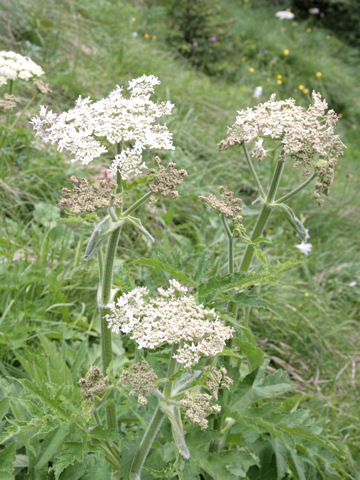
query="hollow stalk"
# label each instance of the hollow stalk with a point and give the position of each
(153, 427)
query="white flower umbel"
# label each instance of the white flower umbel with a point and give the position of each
(172, 317)
(14, 66)
(304, 247)
(87, 130)
(306, 136)
(284, 15)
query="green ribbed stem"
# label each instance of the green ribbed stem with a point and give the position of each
(105, 297)
(264, 215)
(153, 427)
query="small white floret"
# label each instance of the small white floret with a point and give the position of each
(304, 247)
(258, 92)
(284, 15)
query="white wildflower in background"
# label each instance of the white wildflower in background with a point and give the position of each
(284, 15)
(314, 11)
(258, 92)
(304, 247)
(306, 136)
(86, 130)
(14, 66)
(173, 317)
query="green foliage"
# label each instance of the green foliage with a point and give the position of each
(305, 318)
(198, 32)
(341, 16)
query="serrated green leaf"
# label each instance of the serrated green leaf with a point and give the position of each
(254, 355)
(244, 460)
(256, 386)
(281, 457)
(52, 446)
(4, 407)
(161, 266)
(71, 453)
(7, 459)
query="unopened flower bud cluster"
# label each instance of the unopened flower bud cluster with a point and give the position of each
(217, 379)
(167, 179)
(87, 130)
(142, 379)
(14, 66)
(172, 317)
(85, 197)
(306, 136)
(93, 384)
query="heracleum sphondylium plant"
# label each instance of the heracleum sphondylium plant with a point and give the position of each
(193, 392)
(172, 318)
(289, 134)
(15, 68)
(305, 138)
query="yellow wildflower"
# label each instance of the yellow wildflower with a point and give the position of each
(319, 74)
(286, 52)
(328, 37)
(279, 82)
(340, 115)
(133, 19)
(251, 69)
(308, 30)
(146, 35)
(154, 37)
(306, 294)
(301, 87)
(279, 77)
(306, 90)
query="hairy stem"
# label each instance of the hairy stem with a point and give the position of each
(146, 443)
(264, 214)
(230, 238)
(297, 189)
(153, 427)
(253, 171)
(105, 297)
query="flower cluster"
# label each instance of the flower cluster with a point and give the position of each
(198, 407)
(173, 317)
(167, 179)
(85, 197)
(14, 66)
(284, 15)
(142, 379)
(86, 130)
(306, 136)
(8, 102)
(227, 205)
(93, 383)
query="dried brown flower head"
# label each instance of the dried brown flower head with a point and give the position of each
(86, 197)
(93, 383)
(142, 378)
(167, 179)
(227, 205)
(8, 102)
